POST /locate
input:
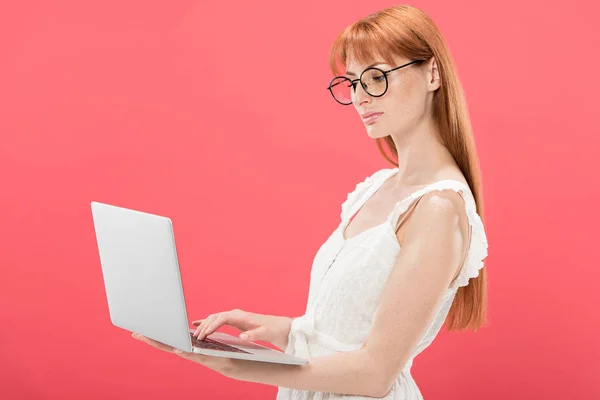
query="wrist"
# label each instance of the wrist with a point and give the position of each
(284, 326)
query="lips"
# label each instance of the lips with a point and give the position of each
(370, 116)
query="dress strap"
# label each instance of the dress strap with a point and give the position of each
(407, 213)
(478, 245)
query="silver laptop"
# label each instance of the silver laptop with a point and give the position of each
(143, 286)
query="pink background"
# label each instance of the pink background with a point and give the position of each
(216, 115)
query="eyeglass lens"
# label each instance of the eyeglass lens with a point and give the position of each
(373, 81)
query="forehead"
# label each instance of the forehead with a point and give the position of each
(355, 65)
(354, 68)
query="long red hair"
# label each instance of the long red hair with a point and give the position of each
(407, 31)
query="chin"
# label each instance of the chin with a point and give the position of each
(375, 132)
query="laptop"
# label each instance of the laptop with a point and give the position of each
(143, 286)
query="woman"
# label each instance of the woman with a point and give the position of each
(408, 253)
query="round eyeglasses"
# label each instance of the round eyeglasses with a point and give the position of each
(373, 80)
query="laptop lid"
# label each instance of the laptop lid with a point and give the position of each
(141, 274)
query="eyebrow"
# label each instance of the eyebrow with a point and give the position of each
(368, 66)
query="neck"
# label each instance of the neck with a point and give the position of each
(421, 155)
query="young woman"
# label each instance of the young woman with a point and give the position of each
(408, 253)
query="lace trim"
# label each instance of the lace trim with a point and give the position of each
(478, 251)
(359, 191)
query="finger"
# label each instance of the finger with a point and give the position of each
(152, 342)
(215, 324)
(254, 334)
(203, 326)
(197, 322)
(197, 331)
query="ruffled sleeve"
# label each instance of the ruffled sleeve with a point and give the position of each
(478, 247)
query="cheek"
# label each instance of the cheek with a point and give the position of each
(404, 99)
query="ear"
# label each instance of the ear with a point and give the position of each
(433, 76)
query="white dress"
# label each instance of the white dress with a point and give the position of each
(348, 276)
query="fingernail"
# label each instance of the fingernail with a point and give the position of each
(243, 336)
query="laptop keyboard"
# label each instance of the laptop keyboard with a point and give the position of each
(212, 345)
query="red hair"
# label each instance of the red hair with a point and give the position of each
(407, 31)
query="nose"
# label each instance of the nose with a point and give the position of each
(360, 96)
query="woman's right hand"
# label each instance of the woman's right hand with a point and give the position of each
(267, 328)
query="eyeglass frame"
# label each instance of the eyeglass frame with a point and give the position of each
(353, 81)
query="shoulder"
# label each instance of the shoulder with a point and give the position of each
(437, 233)
(438, 214)
(441, 203)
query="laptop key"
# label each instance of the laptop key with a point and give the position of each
(212, 345)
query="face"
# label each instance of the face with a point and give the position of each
(406, 102)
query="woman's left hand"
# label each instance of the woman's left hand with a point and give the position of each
(225, 366)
